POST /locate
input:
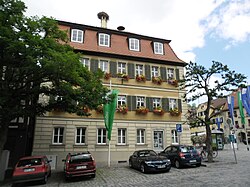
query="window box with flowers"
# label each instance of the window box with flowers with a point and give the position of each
(107, 76)
(140, 78)
(173, 82)
(158, 111)
(123, 76)
(122, 109)
(174, 112)
(99, 109)
(141, 110)
(157, 80)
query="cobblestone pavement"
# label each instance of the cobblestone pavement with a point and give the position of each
(223, 172)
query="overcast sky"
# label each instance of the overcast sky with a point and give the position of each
(200, 30)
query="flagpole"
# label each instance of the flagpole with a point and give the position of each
(109, 156)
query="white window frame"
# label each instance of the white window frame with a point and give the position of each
(104, 39)
(158, 48)
(104, 65)
(170, 73)
(102, 135)
(155, 71)
(121, 136)
(82, 135)
(134, 44)
(139, 69)
(174, 136)
(77, 35)
(85, 62)
(140, 101)
(60, 133)
(122, 67)
(172, 103)
(140, 136)
(156, 102)
(121, 100)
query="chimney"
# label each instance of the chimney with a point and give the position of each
(104, 17)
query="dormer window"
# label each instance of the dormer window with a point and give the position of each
(158, 48)
(134, 44)
(104, 40)
(77, 35)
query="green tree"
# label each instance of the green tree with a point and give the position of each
(197, 82)
(39, 71)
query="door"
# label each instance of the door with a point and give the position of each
(158, 140)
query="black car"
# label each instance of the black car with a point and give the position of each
(149, 160)
(181, 155)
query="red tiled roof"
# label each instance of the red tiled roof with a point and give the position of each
(119, 44)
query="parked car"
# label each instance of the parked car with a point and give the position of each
(32, 168)
(79, 164)
(149, 160)
(181, 155)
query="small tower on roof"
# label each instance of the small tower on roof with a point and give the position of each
(104, 17)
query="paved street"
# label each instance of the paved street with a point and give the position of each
(223, 172)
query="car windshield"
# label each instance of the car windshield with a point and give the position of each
(147, 153)
(80, 158)
(186, 149)
(30, 162)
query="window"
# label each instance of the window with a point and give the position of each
(158, 48)
(172, 103)
(77, 35)
(140, 136)
(139, 69)
(121, 68)
(134, 44)
(58, 135)
(121, 100)
(170, 73)
(103, 65)
(140, 102)
(174, 136)
(155, 71)
(104, 39)
(156, 102)
(85, 62)
(101, 136)
(122, 136)
(80, 135)
(235, 114)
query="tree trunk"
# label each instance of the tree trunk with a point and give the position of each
(209, 143)
(3, 135)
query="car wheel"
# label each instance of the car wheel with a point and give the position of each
(130, 164)
(49, 174)
(177, 164)
(93, 176)
(198, 165)
(143, 169)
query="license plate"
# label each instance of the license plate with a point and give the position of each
(81, 167)
(192, 161)
(29, 170)
(161, 166)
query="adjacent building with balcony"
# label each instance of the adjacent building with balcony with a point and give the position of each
(150, 103)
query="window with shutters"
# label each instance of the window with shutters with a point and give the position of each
(155, 71)
(85, 62)
(156, 102)
(140, 101)
(170, 73)
(104, 40)
(139, 69)
(121, 100)
(77, 35)
(172, 104)
(121, 68)
(104, 65)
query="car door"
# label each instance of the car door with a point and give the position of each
(166, 152)
(134, 159)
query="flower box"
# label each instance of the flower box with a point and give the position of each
(123, 76)
(141, 110)
(158, 111)
(140, 78)
(122, 109)
(173, 82)
(99, 109)
(107, 76)
(157, 80)
(174, 112)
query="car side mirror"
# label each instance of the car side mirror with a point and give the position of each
(49, 161)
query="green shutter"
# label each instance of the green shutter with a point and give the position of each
(131, 70)
(93, 65)
(165, 104)
(179, 105)
(147, 72)
(133, 102)
(177, 74)
(163, 73)
(150, 103)
(129, 102)
(113, 68)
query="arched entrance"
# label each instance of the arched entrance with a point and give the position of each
(241, 136)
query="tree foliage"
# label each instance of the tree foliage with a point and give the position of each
(36, 62)
(197, 82)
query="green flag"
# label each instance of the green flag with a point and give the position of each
(109, 112)
(241, 109)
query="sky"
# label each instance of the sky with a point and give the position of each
(200, 31)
